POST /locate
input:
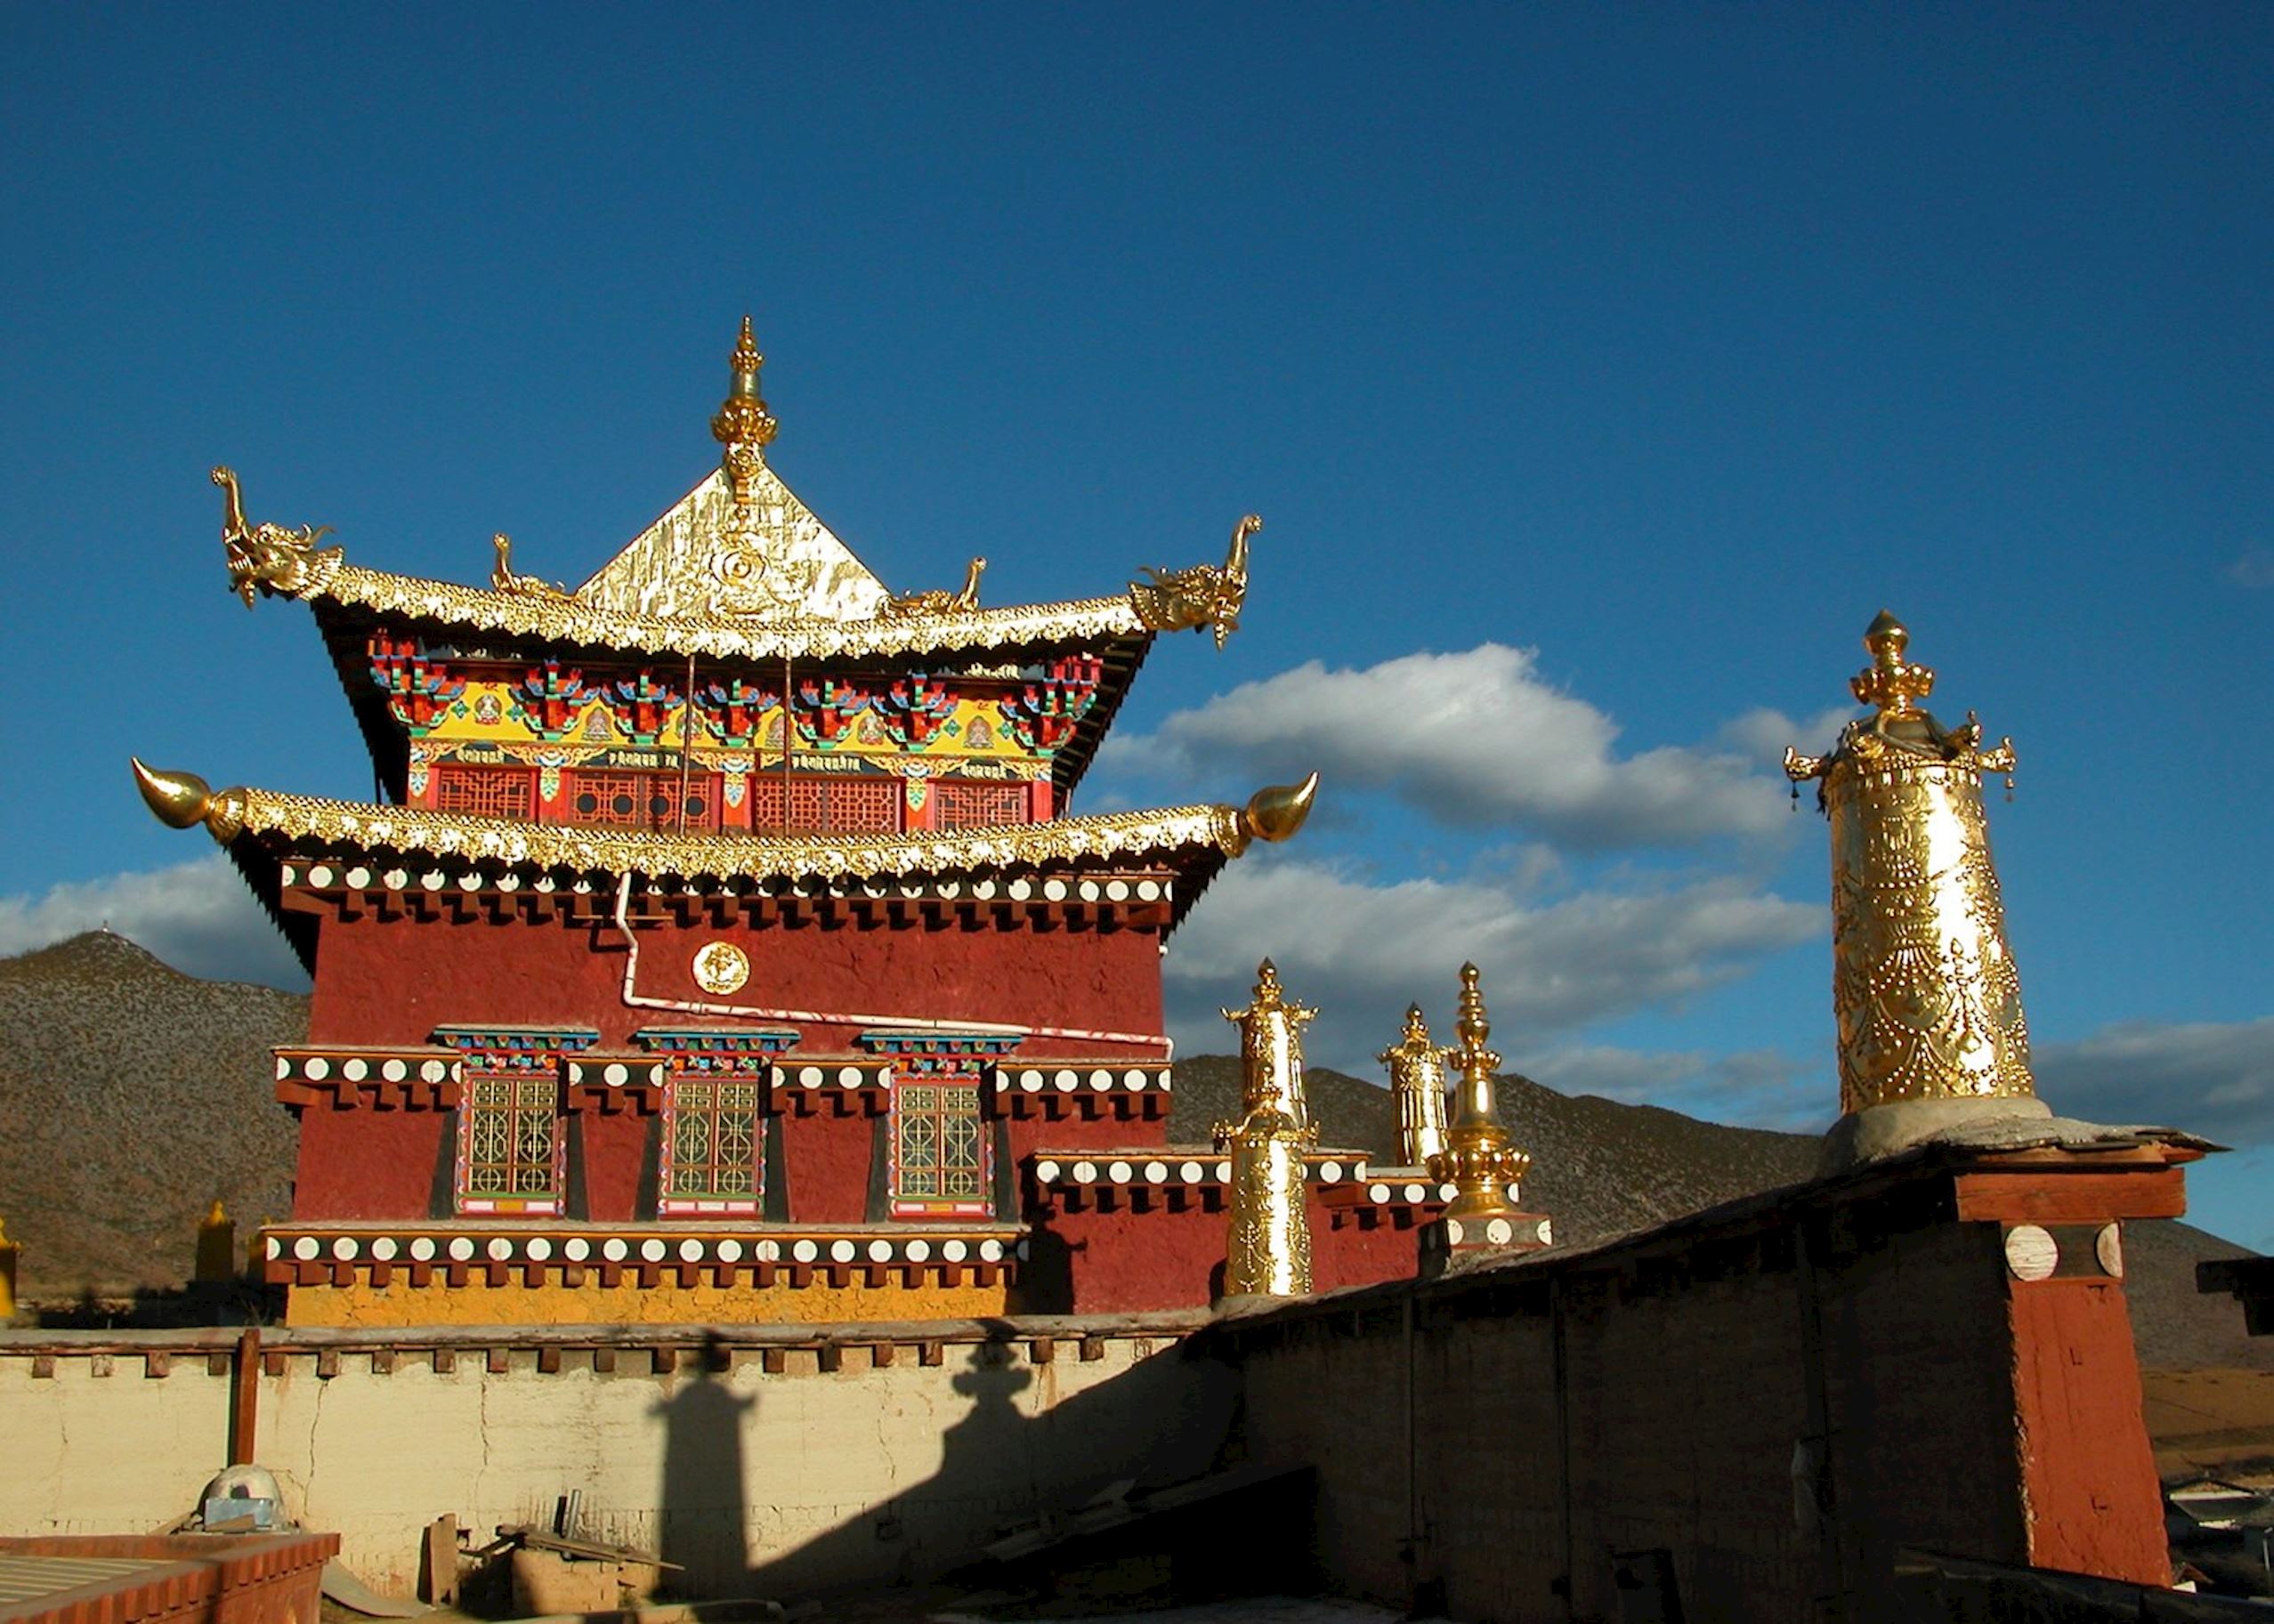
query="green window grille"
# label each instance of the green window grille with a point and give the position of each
(714, 1131)
(509, 1127)
(937, 1139)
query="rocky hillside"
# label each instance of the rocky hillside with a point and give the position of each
(1599, 1167)
(132, 1097)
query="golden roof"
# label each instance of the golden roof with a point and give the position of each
(182, 799)
(737, 567)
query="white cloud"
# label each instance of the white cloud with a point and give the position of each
(1762, 734)
(2215, 1078)
(197, 917)
(1361, 952)
(1475, 738)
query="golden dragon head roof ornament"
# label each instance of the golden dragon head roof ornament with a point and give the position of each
(269, 555)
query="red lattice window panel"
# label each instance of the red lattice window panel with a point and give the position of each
(866, 806)
(486, 792)
(978, 807)
(643, 801)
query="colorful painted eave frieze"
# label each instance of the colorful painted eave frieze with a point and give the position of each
(687, 1254)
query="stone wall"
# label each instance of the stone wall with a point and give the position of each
(769, 1464)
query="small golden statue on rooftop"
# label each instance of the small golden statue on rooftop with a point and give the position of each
(1924, 988)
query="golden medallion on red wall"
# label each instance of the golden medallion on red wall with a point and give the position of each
(721, 967)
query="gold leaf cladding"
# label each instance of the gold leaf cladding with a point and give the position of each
(1924, 990)
(454, 834)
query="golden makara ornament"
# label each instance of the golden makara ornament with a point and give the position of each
(1924, 988)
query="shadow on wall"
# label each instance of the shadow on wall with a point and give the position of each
(704, 1517)
(1011, 1451)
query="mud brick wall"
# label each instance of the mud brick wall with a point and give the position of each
(768, 1462)
(1497, 1445)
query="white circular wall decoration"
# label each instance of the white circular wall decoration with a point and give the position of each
(2031, 1252)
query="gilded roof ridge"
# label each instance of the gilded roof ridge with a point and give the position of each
(182, 799)
(286, 562)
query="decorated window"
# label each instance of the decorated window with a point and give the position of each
(509, 1149)
(939, 1147)
(643, 800)
(711, 1145)
(869, 805)
(486, 792)
(976, 806)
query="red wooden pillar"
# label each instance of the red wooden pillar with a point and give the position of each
(2091, 1499)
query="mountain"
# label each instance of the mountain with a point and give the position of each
(132, 1096)
(1601, 1169)
(1598, 1169)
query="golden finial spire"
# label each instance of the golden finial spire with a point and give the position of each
(743, 425)
(1480, 1159)
(1911, 866)
(1890, 683)
(1416, 1066)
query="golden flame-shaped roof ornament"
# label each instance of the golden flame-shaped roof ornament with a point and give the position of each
(1416, 1063)
(1480, 1159)
(743, 425)
(1924, 988)
(1267, 1246)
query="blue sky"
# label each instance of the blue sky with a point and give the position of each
(1598, 373)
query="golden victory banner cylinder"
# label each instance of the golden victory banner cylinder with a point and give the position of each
(1267, 1244)
(1924, 988)
(1268, 1250)
(1417, 1083)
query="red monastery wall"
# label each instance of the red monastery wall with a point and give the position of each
(394, 980)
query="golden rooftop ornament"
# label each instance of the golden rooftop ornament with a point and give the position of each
(1267, 1251)
(1416, 1081)
(1923, 986)
(1202, 594)
(1479, 1160)
(743, 425)
(269, 554)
